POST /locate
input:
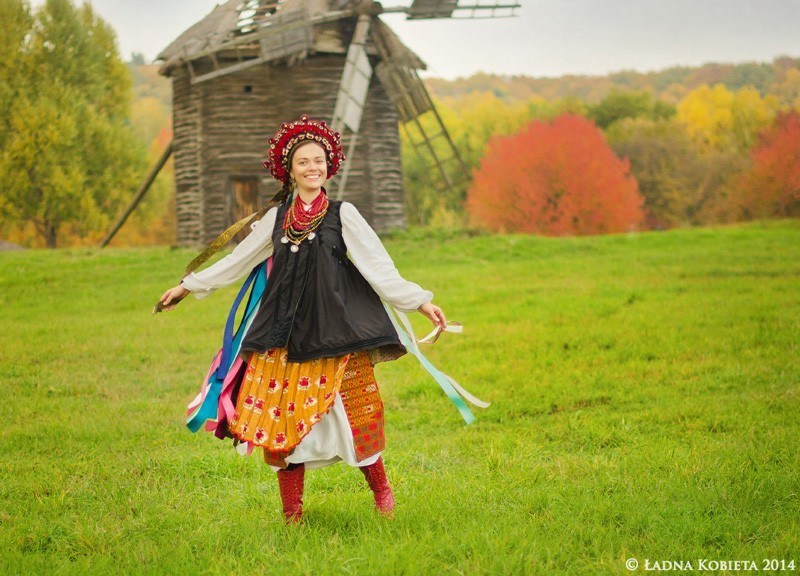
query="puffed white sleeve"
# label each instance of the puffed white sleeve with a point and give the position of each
(373, 261)
(251, 251)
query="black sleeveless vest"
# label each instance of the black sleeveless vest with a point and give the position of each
(317, 303)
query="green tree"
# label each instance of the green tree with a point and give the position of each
(760, 76)
(15, 22)
(69, 158)
(787, 89)
(73, 47)
(41, 181)
(620, 104)
(137, 59)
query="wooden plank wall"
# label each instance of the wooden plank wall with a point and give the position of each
(188, 173)
(382, 150)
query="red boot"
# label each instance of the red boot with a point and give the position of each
(290, 482)
(376, 478)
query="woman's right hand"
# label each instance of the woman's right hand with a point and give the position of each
(172, 296)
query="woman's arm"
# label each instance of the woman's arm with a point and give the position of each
(251, 251)
(373, 261)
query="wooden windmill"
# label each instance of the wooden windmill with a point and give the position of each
(251, 64)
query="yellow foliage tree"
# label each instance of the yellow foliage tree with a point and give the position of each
(725, 119)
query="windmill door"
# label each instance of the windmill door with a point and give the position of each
(242, 202)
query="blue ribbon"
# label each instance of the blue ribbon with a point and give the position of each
(231, 344)
(229, 340)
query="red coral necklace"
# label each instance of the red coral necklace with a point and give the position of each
(299, 223)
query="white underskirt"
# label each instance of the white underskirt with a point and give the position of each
(329, 441)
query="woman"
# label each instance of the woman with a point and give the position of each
(308, 395)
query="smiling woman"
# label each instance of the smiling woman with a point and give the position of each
(303, 388)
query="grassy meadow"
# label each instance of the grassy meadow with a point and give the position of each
(645, 398)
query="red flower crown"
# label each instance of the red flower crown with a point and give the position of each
(291, 134)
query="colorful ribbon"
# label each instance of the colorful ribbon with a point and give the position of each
(451, 388)
(212, 401)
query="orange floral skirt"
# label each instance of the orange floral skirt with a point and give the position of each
(280, 401)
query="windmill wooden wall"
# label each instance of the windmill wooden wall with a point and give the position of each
(221, 127)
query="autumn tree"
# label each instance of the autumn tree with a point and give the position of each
(554, 178)
(683, 181)
(771, 187)
(787, 88)
(149, 116)
(725, 119)
(470, 121)
(69, 158)
(154, 221)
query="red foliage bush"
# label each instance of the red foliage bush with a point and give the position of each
(771, 188)
(555, 178)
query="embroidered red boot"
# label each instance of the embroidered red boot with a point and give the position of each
(290, 482)
(376, 478)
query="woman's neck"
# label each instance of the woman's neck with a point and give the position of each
(308, 196)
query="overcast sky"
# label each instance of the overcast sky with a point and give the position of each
(548, 38)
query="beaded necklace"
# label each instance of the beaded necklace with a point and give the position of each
(300, 224)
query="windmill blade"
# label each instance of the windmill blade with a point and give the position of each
(429, 9)
(397, 72)
(352, 97)
(356, 77)
(432, 9)
(421, 122)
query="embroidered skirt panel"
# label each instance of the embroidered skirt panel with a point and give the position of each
(280, 401)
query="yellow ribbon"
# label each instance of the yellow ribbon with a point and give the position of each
(219, 242)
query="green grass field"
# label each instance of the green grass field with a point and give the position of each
(645, 398)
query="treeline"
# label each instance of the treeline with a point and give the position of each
(717, 154)
(670, 85)
(71, 151)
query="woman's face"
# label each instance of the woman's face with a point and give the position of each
(308, 167)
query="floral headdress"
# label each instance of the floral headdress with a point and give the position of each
(293, 133)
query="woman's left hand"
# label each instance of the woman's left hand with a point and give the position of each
(434, 313)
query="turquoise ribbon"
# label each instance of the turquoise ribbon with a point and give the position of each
(441, 378)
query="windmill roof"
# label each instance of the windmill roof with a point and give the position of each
(207, 34)
(210, 33)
